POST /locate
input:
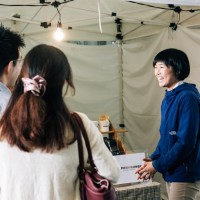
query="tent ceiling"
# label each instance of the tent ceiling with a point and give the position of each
(137, 20)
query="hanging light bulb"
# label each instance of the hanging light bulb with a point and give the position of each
(59, 35)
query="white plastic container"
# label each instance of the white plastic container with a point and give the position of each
(104, 125)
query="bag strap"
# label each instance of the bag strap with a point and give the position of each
(80, 153)
(80, 146)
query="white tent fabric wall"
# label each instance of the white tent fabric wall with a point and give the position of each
(142, 96)
(97, 75)
(97, 78)
(101, 85)
(117, 80)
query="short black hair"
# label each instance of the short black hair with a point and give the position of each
(10, 42)
(175, 58)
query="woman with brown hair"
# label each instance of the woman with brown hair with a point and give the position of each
(38, 147)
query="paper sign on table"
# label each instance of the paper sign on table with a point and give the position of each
(129, 164)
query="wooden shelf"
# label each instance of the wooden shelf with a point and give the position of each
(114, 134)
(115, 131)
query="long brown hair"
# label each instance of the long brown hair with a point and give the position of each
(45, 122)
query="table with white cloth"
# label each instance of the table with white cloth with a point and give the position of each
(141, 191)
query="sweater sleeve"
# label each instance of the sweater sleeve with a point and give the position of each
(186, 136)
(105, 162)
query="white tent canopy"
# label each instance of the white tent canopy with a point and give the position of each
(176, 2)
(81, 19)
(117, 78)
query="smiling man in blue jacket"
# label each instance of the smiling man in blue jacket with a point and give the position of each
(177, 155)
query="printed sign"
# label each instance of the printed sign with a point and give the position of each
(129, 164)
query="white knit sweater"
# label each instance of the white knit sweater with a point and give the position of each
(45, 176)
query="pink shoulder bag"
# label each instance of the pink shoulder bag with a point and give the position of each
(92, 185)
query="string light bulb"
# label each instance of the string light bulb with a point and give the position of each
(59, 34)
